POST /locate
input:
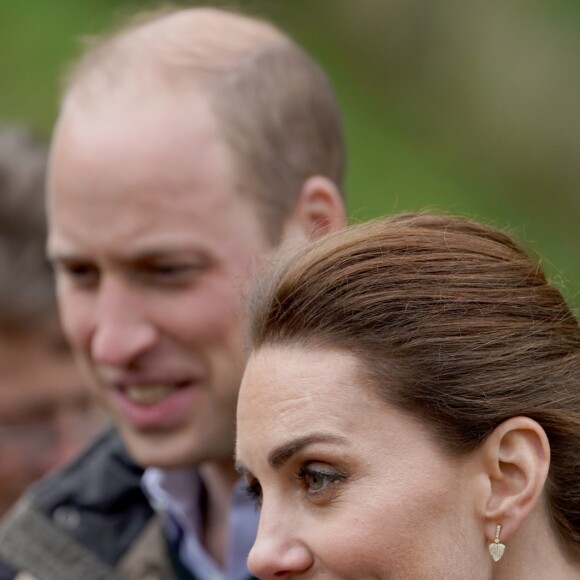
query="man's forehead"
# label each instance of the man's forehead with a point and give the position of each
(116, 233)
(122, 142)
(140, 94)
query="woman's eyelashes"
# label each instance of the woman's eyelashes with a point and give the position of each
(317, 481)
(253, 491)
(320, 481)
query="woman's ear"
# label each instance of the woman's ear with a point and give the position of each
(516, 458)
(319, 211)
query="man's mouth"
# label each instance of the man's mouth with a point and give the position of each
(154, 405)
(150, 394)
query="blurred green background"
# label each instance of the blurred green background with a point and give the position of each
(470, 107)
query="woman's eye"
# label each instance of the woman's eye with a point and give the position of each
(315, 481)
(320, 480)
(253, 491)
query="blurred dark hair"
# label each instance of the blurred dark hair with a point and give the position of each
(26, 283)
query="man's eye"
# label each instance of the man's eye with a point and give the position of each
(170, 269)
(167, 275)
(170, 272)
(80, 274)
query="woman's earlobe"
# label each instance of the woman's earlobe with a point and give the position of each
(517, 458)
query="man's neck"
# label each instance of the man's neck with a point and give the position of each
(218, 479)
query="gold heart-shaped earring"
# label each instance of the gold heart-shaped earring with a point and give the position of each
(496, 549)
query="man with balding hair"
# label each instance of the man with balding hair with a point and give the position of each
(190, 146)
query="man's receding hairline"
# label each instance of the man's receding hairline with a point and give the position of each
(144, 40)
(273, 103)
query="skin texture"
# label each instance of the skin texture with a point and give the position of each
(153, 249)
(350, 487)
(46, 413)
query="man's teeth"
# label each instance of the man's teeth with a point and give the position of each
(150, 394)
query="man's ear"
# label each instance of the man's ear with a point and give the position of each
(516, 458)
(319, 211)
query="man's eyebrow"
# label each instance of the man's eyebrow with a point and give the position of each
(65, 255)
(283, 453)
(63, 258)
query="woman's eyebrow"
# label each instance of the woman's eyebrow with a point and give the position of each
(284, 452)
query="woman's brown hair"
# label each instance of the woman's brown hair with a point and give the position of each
(453, 322)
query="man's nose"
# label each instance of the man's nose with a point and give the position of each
(278, 550)
(122, 330)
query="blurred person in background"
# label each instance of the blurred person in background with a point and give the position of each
(190, 145)
(46, 412)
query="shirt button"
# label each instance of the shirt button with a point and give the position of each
(67, 517)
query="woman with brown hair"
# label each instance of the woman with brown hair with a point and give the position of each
(411, 410)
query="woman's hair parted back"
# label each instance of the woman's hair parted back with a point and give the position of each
(453, 322)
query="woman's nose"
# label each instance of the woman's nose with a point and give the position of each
(278, 550)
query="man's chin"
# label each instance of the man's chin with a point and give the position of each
(157, 449)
